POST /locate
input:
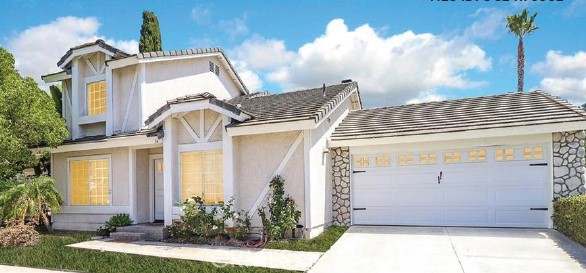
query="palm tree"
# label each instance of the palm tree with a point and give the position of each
(34, 199)
(520, 25)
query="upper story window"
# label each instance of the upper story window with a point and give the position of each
(96, 98)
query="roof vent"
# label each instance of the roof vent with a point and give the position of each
(324, 90)
(347, 81)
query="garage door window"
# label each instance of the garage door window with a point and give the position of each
(361, 161)
(452, 157)
(477, 155)
(405, 160)
(533, 153)
(504, 154)
(427, 158)
(383, 160)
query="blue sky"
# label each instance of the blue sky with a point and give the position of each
(398, 51)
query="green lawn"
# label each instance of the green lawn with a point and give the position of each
(321, 243)
(52, 253)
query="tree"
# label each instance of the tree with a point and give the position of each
(150, 35)
(30, 200)
(28, 120)
(57, 97)
(521, 25)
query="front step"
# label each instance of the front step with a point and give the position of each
(131, 236)
(151, 232)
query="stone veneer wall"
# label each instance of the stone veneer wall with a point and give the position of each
(341, 186)
(568, 163)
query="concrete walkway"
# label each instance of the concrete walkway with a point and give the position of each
(269, 258)
(20, 269)
(452, 250)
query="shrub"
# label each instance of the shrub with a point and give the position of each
(118, 220)
(102, 231)
(200, 221)
(283, 214)
(569, 217)
(18, 235)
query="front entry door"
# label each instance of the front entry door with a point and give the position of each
(158, 189)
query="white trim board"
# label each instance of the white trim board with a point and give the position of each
(135, 141)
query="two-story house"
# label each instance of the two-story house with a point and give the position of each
(152, 129)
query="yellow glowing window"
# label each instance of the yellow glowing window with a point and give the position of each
(477, 155)
(504, 154)
(202, 174)
(427, 158)
(360, 161)
(533, 153)
(96, 98)
(90, 182)
(383, 160)
(452, 157)
(405, 160)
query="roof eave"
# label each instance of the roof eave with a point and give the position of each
(212, 104)
(56, 77)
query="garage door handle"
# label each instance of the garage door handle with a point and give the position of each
(359, 209)
(538, 209)
(439, 178)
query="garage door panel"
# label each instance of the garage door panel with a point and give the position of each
(455, 216)
(520, 174)
(465, 175)
(521, 217)
(418, 197)
(520, 196)
(419, 215)
(419, 177)
(467, 196)
(374, 216)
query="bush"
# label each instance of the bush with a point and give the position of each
(102, 231)
(569, 217)
(118, 220)
(200, 221)
(18, 235)
(283, 214)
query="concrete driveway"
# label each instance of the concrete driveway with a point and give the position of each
(452, 250)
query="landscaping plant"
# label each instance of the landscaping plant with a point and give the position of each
(30, 200)
(18, 235)
(569, 217)
(200, 222)
(118, 220)
(283, 214)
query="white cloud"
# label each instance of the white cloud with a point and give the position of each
(564, 75)
(576, 8)
(201, 14)
(38, 48)
(427, 97)
(490, 24)
(263, 54)
(250, 78)
(396, 69)
(234, 27)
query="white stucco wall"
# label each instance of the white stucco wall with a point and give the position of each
(256, 157)
(193, 119)
(121, 89)
(171, 79)
(86, 217)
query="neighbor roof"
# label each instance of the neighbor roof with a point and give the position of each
(117, 53)
(291, 106)
(498, 111)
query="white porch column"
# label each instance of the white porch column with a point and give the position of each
(109, 100)
(132, 183)
(228, 162)
(170, 167)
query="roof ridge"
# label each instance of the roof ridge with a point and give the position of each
(334, 101)
(561, 102)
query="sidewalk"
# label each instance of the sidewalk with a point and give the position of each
(222, 256)
(19, 269)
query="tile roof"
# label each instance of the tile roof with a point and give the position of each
(298, 105)
(186, 52)
(190, 98)
(100, 138)
(118, 54)
(498, 111)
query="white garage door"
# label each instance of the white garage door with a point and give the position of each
(492, 187)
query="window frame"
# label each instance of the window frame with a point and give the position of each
(88, 81)
(92, 157)
(199, 147)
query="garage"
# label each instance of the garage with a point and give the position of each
(504, 186)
